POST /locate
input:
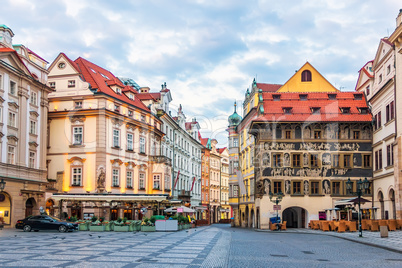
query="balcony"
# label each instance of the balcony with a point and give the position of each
(184, 193)
(160, 159)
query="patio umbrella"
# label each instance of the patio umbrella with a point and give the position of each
(357, 199)
(182, 208)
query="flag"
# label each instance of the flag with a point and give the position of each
(192, 184)
(177, 178)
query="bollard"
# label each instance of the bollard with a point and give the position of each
(384, 231)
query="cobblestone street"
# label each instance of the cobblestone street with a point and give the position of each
(214, 246)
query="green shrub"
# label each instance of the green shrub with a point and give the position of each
(94, 218)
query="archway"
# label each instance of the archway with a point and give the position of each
(30, 205)
(258, 218)
(393, 205)
(5, 208)
(246, 217)
(252, 219)
(381, 199)
(295, 217)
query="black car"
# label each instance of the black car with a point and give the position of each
(45, 222)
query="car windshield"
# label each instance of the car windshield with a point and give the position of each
(54, 218)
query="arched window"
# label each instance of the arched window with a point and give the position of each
(278, 132)
(306, 76)
(298, 132)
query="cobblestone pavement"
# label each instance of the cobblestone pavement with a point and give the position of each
(213, 246)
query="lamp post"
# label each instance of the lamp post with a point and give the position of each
(2, 185)
(278, 198)
(360, 187)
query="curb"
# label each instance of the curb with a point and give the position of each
(345, 238)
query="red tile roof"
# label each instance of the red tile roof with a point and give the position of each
(100, 78)
(188, 125)
(268, 87)
(220, 150)
(204, 141)
(7, 49)
(301, 110)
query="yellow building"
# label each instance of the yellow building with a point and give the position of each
(104, 145)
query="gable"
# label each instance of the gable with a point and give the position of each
(383, 48)
(317, 84)
(62, 65)
(11, 57)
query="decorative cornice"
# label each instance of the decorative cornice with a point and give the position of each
(74, 158)
(1, 99)
(116, 161)
(117, 121)
(33, 143)
(14, 104)
(77, 118)
(130, 163)
(34, 113)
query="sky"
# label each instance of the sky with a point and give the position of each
(207, 52)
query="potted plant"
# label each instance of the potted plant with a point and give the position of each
(83, 225)
(147, 225)
(121, 225)
(96, 225)
(135, 226)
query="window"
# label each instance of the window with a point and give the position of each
(143, 118)
(78, 104)
(336, 187)
(157, 181)
(366, 161)
(349, 192)
(167, 181)
(52, 85)
(130, 113)
(356, 135)
(277, 160)
(11, 155)
(315, 110)
(367, 90)
(306, 76)
(314, 160)
(345, 110)
(129, 178)
(276, 97)
(298, 132)
(115, 178)
(296, 187)
(1, 82)
(142, 145)
(118, 90)
(71, 83)
(76, 176)
(33, 98)
(379, 78)
(315, 187)
(303, 97)
(389, 111)
(390, 155)
(236, 142)
(116, 108)
(32, 127)
(277, 187)
(12, 121)
(142, 181)
(278, 132)
(287, 110)
(116, 138)
(32, 159)
(13, 88)
(363, 110)
(388, 69)
(357, 96)
(296, 160)
(130, 141)
(235, 191)
(317, 134)
(288, 134)
(104, 76)
(77, 135)
(1, 114)
(332, 96)
(347, 161)
(335, 160)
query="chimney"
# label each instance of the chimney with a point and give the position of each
(144, 89)
(399, 18)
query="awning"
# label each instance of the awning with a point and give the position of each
(109, 198)
(201, 208)
(351, 201)
(183, 209)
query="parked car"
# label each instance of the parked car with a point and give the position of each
(45, 222)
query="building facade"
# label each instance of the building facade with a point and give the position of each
(225, 211)
(396, 40)
(214, 186)
(104, 145)
(23, 129)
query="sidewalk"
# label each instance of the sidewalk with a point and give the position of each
(393, 242)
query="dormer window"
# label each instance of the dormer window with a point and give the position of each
(287, 110)
(118, 90)
(303, 97)
(315, 110)
(143, 118)
(363, 110)
(71, 83)
(104, 76)
(332, 96)
(93, 70)
(78, 104)
(358, 96)
(131, 96)
(345, 110)
(306, 76)
(368, 90)
(276, 97)
(130, 113)
(52, 84)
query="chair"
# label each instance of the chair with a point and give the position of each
(332, 226)
(392, 225)
(375, 226)
(325, 226)
(365, 225)
(399, 224)
(272, 226)
(352, 226)
(342, 227)
(316, 225)
(283, 227)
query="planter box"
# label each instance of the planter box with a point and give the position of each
(145, 228)
(97, 228)
(193, 225)
(166, 225)
(124, 228)
(109, 227)
(83, 227)
(134, 228)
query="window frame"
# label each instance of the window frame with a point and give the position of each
(143, 144)
(156, 181)
(116, 138)
(11, 155)
(129, 179)
(77, 134)
(314, 190)
(141, 181)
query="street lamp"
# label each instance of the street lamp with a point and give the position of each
(361, 185)
(278, 198)
(2, 185)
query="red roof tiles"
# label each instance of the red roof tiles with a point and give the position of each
(301, 110)
(268, 87)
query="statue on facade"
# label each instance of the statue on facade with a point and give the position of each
(287, 187)
(305, 159)
(267, 186)
(101, 180)
(286, 160)
(306, 191)
(325, 187)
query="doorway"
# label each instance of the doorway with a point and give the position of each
(295, 217)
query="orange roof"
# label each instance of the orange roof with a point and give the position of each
(290, 108)
(268, 87)
(220, 150)
(204, 141)
(100, 79)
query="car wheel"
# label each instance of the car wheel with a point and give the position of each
(27, 228)
(62, 229)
